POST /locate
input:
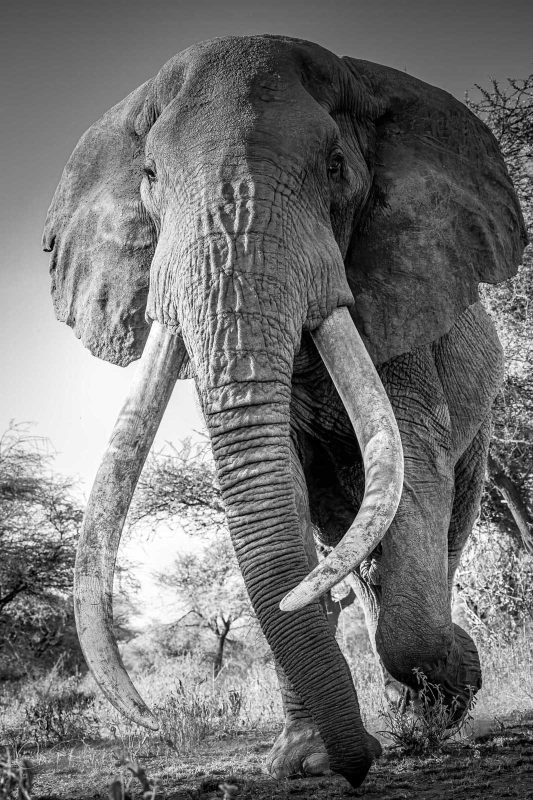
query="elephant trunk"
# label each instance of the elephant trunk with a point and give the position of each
(249, 425)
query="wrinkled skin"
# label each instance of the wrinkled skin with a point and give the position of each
(240, 197)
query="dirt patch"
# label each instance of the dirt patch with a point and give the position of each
(500, 765)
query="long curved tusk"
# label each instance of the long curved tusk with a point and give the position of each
(106, 512)
(372, 417)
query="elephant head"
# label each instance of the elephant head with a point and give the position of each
(257, 191)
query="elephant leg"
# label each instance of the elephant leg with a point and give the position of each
(299, 748)
(469, 482)
(415, 629)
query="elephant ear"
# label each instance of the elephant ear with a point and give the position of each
(101, 238)
(444, 215)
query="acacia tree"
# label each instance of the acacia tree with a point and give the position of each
(496, 573)
(210, 584)
(508, 111)
(180, 488)
(39, 524)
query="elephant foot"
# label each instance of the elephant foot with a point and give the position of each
(459, 679)
(452, 681)
(298, 750)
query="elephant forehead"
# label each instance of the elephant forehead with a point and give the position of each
(242, 60)
(249, 56)
(199, 128)
(240, 67)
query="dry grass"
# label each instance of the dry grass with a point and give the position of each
(15, 777)
(211, 731)
(507, 676)
(429, 723)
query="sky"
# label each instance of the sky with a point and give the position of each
(65, 62)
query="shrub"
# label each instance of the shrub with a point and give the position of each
(61, 719)
(39, 525)
(495, 578)
(17, 777)
(428, 723)
(57, 710)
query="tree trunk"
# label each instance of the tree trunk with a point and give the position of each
(221, 633)
(512, 496)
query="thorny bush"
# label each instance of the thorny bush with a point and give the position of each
(427, 723)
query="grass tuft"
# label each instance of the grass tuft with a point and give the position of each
(426, 725)
(17, 777)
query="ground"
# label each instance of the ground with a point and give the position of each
(495, 766)
(215, 731)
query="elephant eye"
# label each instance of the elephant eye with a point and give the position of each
(335, 165)
(149, 171)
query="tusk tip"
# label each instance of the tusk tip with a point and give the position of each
(151, 723)
(141, 716)
(296, 599)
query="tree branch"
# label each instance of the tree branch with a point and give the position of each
(512, 496)
(7, 598)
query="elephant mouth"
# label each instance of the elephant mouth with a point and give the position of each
(372, 418)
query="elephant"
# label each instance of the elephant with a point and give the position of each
(304, 235)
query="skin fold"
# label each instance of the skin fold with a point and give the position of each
(253, 189)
